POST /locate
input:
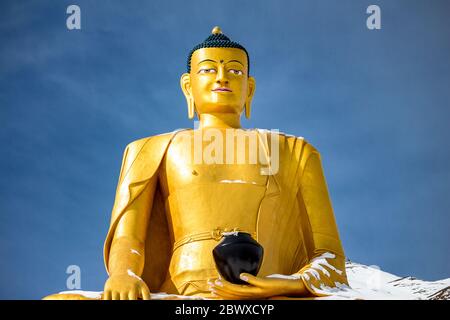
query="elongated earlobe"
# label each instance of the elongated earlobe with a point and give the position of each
(185, 83)
(191, 108)
(247, 108)
(251, 92)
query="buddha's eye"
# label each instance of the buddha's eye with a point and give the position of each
(207, 70)
(236, 72)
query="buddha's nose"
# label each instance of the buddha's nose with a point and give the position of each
(221, 76)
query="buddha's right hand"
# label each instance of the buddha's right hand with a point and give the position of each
(125, 287)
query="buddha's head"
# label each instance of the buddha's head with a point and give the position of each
(217, 79)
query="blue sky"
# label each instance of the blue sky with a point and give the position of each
(375, 104)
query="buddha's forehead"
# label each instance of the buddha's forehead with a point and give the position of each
(218, 55)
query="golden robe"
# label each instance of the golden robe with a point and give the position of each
(295, 224)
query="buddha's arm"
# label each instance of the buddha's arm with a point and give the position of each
(127, 255)
(326, 267)
(127, 249)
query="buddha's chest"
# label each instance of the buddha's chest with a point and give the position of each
(185, 166)
(203, 196)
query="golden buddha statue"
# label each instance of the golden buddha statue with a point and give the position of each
(174, 203)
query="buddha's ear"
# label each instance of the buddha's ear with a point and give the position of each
(250, 92)
(185, 83)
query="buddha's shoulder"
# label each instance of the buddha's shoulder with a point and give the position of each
(153, 140)
(286, 139)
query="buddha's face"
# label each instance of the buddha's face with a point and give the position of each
(218, 81)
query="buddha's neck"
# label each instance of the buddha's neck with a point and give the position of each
(220, 120)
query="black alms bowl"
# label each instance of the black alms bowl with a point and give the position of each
(238, 253)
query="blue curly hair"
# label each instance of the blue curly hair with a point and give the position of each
(217, 40)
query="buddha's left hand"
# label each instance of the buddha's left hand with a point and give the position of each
(258, 288)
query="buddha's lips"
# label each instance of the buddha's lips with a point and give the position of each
(222, 89)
